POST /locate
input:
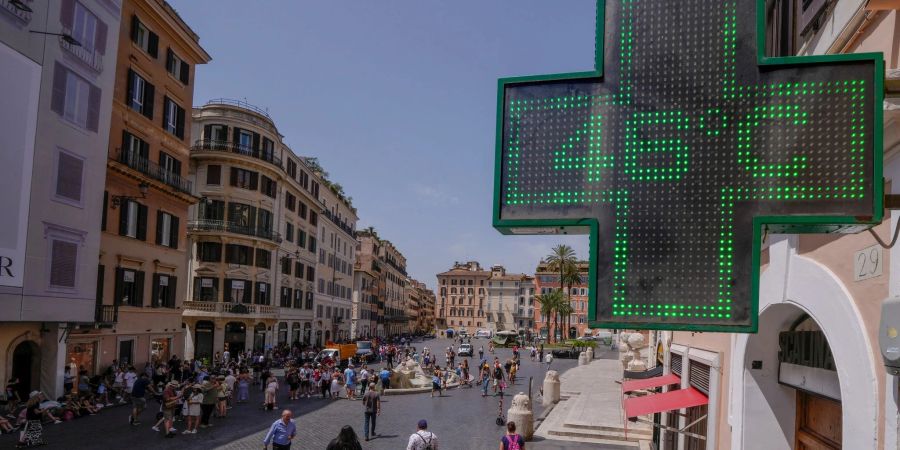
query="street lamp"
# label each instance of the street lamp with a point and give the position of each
(117, 200)
(65, 37)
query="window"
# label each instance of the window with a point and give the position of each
(268, 148)
(312, 244)
(302, 211)
(309, 300)
(129, 287)
(290, 202)
(135, 151)
(289, 232)
(217, 134)
(285, 297)
(263, 258)
(69, 176)
(206, 289)
(299, 269)
(292, 169)
(214, 174)
(268, 187)
(310, 273)
(244, 139)
(304, 180)
(321, 286)
(285, 265)
(241, 216)
(244, 179)
(264, 222)
(209, 252)
(213, 210)
(144, 38)
(298, 298)
(238, 254)
(133, 220)
(85, 27)
(173, 118)
(237, 291)
(75, 99)
(315, 189)
(319, 310)
(63, 263)
(164, 291)
(313, 219)
(177, 67)
(169, 165)
(166, 230)
(140, 94)
(262, 293)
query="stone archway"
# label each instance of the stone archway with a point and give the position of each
(26, 366)
(759, 401)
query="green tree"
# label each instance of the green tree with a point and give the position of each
(571, 277)
(559, 260)
(565, 312)
(549, 304)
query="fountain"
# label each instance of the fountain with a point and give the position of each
(408, 377)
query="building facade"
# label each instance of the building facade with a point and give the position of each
(254, 235)
(393, 281)
(368, 300)
(337, 255)
(143, 255)
(812, 376)
(575, 324)
(510, 301)
(462, 293)
(58, 94)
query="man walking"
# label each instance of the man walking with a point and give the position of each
(210, 396)
(281, 432)
(138, 397)
(372, 405)
(422, 439)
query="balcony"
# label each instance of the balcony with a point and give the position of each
(235, 148)
(154, 171)
(225, 226)
(20, 15)
(230, 309)
(340, 225)
(91, 58)
(105, 316)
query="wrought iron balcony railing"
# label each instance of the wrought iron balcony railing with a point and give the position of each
(236, 148)
(91, 58)
(154, 171)
(106, 315)
(231, 227)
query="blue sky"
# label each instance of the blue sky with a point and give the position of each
(398, 101)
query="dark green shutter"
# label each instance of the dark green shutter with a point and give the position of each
(135, 23)
(248, 290)
(123, 217)
(154, 292)
(159, 227)
(179, 122)
(173, 292)
(149, 98)
(139, 288)
(185, 73)
(142, 222)
(173, 233)
(207, 133)
(153, 45)
(129, 90)
(105, 208)
(120, 286)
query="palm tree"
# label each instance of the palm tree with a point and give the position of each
(571, 276)
(565, 311)
(549, 304)
(560, 258)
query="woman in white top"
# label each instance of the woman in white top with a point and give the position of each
(271, 390)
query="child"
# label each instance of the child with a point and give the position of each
(103, 393)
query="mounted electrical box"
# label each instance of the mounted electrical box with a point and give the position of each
(889, 335)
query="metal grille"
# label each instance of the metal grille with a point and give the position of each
(675, 363)
(699, 378)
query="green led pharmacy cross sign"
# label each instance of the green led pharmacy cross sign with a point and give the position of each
(683, 148)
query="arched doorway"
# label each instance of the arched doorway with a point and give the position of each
(295, 333)
(235, 337)
(307, 333)
(26, 366)
(282, 333)
(259, 337)
(204, 332)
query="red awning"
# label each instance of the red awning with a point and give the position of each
(667, 401)
(649, 383)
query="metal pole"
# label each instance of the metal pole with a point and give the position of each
(530, 382)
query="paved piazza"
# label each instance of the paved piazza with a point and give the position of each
(461, 419)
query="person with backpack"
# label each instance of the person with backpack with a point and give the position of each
(422, 439)
(512, 440)
(372, 405)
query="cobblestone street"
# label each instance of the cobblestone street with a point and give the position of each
(461, 419)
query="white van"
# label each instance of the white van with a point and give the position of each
(483, 334)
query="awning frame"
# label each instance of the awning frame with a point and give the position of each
(673, 429)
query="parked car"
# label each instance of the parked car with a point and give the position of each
(464, 350)
(364, 351)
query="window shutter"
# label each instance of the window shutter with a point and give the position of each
(145, 151)
(254, 181)
(58, 99)
(256, 141)
(165, 114)
(154, 302)
(176, 167)
(233, 179)
(248, 287)
(93, 117)
(100, 38)
(173, 236)
(214, 174)
(159, 228)
(257, 293)
(153, 45)
(149, 95)
(169, 60)
(139, 288)
(207, 132)
(173, 292)
(123, 217)
(69, 176)
(105, 210)
(179, 122)
(226, 291)
(120, 276)
(129, 94)
(185, 73)
(63, 263)
(236, 135)
(135, 23)
(142, 222)
(67, 13)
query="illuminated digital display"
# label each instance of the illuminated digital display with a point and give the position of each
(682, 153)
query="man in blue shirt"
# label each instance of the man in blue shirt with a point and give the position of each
(281, 433)
(385, 376)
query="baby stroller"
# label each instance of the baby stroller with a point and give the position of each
(500, 419)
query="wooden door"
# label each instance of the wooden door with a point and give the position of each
(818, 423)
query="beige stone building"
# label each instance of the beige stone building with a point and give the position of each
(394, 280)
(254, 234)
(57, 92)
(462, 293)
(143, 254)
(510, 297)
(366, 313)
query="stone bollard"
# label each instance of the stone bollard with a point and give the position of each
(582, 359)
(590, 354)
(520, 412)
(551, 388)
